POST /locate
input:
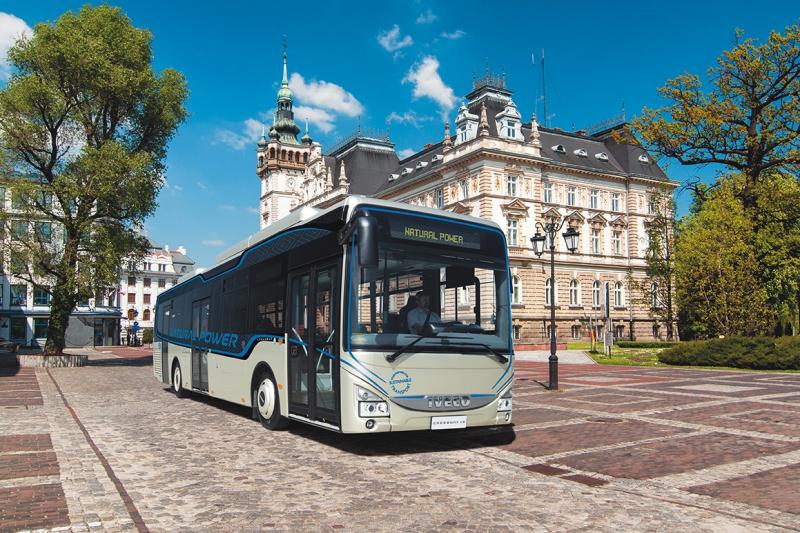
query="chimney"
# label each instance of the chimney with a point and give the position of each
(582, 133)
(166, 248)
(181, 250)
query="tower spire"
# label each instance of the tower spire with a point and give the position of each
(285, 77)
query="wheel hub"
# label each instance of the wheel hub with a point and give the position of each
(266, 398)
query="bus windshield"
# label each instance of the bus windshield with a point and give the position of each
(440, 285)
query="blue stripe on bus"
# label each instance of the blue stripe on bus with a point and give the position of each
(365, 377)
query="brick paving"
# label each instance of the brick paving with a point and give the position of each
(106, 447)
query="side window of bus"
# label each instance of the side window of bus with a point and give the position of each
(234, 303)
(268, 297)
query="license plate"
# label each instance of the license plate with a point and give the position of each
(448, 422)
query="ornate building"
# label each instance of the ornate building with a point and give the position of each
(518, 174)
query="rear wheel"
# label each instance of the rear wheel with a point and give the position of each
(177, 382)
(267, 403)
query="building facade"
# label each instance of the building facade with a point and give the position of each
(495, 166)
(25, 306)
(142, 282)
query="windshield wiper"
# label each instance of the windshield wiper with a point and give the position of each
(402, 350)
(489, 349)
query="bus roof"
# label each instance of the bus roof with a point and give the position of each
(306, 215)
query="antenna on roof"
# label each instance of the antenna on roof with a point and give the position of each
(623, 111)
(544, 96)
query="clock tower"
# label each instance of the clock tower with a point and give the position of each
(282, 159)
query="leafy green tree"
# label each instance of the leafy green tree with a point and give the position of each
(716, 270)
(85, 122)
(748, 122)
(777, 246)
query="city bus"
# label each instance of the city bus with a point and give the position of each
(365, 316)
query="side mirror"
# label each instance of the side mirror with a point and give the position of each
(367, 228)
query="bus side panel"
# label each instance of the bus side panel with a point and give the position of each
(184, 356)
(229, 378)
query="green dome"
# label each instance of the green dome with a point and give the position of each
(284, 93)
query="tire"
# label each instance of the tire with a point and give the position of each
(177, 383)
(267, 404)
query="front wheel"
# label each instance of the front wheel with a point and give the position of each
(267, 402)
(177, 382)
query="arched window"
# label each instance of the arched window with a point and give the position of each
(654, 296)
(574, 292)
(618, 300)
(576, 332)
(548, 292)
(619, 332)
(272, 153)
(146, 315)
(260, 160)
(291, 156)
(305, 158)
(516, 290)
(131, 314)
(283, 154)
(596, 294)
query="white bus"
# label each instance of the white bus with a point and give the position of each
(367, 316)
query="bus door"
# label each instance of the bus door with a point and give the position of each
(313, 344)
(200, 312)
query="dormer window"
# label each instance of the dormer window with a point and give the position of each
(601, 156)
(559, 148)
(394, 177)
(644, 159)
(437, 158)
(421, 164)
(511, 129)
(406, 170)
(580, 152)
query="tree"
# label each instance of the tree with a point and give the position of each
(716, 270)
(85, 122)
(777, 247)
(657, 290)
(749, 122)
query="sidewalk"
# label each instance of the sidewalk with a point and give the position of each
(568, 357)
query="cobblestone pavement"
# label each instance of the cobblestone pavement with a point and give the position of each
(106, 447)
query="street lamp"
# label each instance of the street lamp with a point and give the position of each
(538, 242)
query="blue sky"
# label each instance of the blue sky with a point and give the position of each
(397, 65)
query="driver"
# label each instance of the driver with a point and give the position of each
(421, 314)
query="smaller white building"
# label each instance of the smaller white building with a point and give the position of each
(142, 283)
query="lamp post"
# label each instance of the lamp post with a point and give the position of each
(538, 241)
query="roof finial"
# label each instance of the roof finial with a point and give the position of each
(448, 142)
(483, 126)
(285, 77)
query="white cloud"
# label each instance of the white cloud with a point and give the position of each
(177, 188)
(11, 29)
(453, 35)
(391, 41)
(409, 117)
(213, 242)
(407, 152)
(253, 210)
(227, 207)
(326, 95)
(202, 186)
(426, 18)
(318, 117)
(249, 134)
(428, 83)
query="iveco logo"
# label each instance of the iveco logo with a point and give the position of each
(447, 402)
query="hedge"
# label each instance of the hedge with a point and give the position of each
(645, 344)
(147, 336)
(758, 353)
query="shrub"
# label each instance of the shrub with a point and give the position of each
(758, 353)
(147, 336)
(645, 344)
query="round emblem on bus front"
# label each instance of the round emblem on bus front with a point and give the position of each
(400, 382)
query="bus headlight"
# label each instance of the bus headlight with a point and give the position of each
(504, 404)
(370, 404)
(373, 409)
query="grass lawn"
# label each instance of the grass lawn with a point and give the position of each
(629, 356)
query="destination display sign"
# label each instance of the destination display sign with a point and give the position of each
(433, 233)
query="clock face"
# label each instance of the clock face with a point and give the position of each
(290, 182)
